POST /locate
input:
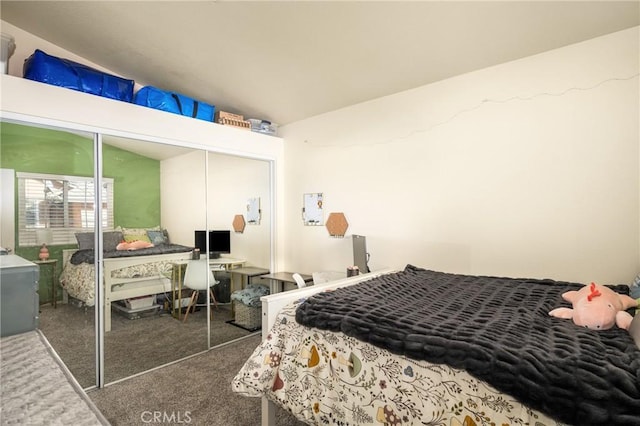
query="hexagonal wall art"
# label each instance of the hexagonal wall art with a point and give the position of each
(239, 223)
(337, 224)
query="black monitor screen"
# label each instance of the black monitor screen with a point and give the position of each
(219, 242)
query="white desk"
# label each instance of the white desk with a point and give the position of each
(226, 263)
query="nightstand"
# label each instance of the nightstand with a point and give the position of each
(52, 263)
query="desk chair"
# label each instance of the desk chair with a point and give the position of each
(198, 277)
(298, 278)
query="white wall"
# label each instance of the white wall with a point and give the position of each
(232, 181)
(183, 202)
(7, 209)
(529, 168)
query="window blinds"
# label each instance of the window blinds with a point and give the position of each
(63, 204)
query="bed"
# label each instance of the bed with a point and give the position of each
(426, 347)
(127, 273)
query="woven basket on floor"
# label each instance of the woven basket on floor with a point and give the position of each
(247, 316)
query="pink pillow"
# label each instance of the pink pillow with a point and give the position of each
(134, 245)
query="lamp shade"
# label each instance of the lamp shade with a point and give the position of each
(44, 236)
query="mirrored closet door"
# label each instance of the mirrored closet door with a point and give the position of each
(238, 208)
(143, 196)
(54, 193)
(159, 198)
(175, 302)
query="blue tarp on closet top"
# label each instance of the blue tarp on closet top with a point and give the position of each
(176, 103)
(45, 68)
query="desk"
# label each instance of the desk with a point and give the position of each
(249, 272)
(177, 276)
(282, 278)
(54, 280)
(227, 264)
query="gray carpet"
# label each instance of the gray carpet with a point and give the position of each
(36, 387)
(133, 345)
(194, 391)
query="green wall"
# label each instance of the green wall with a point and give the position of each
(38, 150)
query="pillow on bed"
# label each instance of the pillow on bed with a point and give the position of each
(136, 234)
(110, 240)
(129, 238)
(134, 245)
(157, 237)
(85, 240)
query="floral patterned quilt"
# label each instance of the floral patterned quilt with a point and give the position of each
(78, 280)
(324, 377)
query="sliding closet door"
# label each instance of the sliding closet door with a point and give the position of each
(239, 202)
(138, 193)
(159, 199)
(54, 193)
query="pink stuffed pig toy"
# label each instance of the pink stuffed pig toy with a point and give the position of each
(597, 307)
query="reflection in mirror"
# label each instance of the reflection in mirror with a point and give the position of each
(174, 306)
(231, 182)
(146, 273)
(153, 195)
(53, 171)
(253, 211)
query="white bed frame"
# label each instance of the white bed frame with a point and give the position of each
(272, 304)
(125, 288)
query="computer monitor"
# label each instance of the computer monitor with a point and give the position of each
(360, 255)
(219, 242)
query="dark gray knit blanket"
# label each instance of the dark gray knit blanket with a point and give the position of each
(87, 255)
(499, 330)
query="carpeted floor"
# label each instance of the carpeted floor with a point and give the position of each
(133, 345)
(194, 391)
(36, 387)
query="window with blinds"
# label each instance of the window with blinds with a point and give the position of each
(63, 205)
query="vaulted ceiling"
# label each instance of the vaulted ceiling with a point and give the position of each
(286, 61)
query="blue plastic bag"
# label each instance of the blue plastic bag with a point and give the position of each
(176, 103)
(72, 75)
